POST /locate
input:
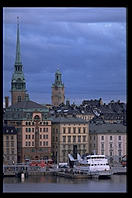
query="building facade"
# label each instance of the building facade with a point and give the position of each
(58, 95)
(109, 140)
(33, 129)
(9, 145)
(69, 136)
(18, 83)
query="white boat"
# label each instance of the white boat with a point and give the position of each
(97, 163)
(92, 163)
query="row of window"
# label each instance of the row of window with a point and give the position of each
(42, 143)
(74, 130)
(69, 146)
(74, 139)
(10, 151)
(39, 130)
(32, 123)
(111, 137)
(11, 137)
(111, 153)
(9, 144)
(111, 145)
(32, 136)
(12, 158)
(102, 137)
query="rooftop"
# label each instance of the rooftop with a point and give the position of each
(107, 128)
(27, 105)
(68, 120)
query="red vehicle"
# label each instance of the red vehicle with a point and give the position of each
(124, 161)
(40, 163)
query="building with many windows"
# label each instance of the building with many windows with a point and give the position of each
(33, 129)
(108, 139)
(9, 145)
(69, 135)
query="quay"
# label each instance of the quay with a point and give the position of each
(17, 170)
(82, 175)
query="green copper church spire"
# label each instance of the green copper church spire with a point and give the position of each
(18, 83)
(18, 54)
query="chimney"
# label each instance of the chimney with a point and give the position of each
(6, 101)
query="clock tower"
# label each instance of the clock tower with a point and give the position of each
(58, 96)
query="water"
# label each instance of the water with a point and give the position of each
(52, 184)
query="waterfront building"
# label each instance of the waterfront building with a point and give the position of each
(58, 96)
(69, 135)
(108, 139)
(85, 115)
(33, 129)
(18, 83)
(9, 145)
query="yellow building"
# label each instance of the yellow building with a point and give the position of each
(69, 135)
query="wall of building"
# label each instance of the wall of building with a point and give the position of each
(63, 139)
(9, 148)
(57, 95)
(15, 94)
(113, 145)
(43, 147)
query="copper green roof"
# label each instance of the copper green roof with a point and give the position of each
(18, 54)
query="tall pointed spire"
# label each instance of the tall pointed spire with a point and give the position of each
(18, 83)
(18, 55)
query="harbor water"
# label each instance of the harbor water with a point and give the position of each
(55, 184)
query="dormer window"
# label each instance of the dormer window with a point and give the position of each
(36, 117)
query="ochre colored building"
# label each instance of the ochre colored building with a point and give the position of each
(70, 135)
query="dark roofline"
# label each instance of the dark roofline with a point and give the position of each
(107, 128)
(9, 130)
(67, 120)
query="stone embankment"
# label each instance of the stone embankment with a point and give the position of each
(68, 173)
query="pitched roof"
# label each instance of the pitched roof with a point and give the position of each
(107, 128)
(27, 105)
(68, 120)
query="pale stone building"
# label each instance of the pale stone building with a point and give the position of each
(9, 145)
(69, 135)
(108, 139)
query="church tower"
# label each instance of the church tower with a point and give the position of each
(18, 83)
(58, 90)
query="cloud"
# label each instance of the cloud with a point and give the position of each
(87, 44)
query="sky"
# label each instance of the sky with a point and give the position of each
(87, 44)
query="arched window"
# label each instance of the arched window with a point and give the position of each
(36, 117)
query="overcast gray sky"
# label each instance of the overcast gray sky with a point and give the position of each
(88, 45)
